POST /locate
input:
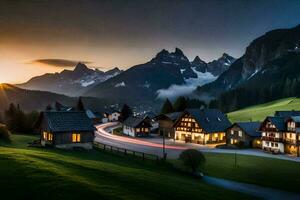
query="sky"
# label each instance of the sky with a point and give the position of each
(41, 36)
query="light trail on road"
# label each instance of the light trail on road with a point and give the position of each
(101, 131)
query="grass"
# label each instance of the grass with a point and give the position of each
(118, 131)
(259, 112)
(268, 172)
(33, 173)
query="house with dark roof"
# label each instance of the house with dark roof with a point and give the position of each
(291, 137)
(66, 129)
(111, 115)
(206, 126)
(137, 126)
(244, 134)
(272, 130)
(166, 123)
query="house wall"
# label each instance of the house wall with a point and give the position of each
(66, 137)
(166, 127)
(235, 134)
(200, 138)
(128, 131)
(273, 146)
(114, 117)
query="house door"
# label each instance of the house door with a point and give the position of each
(188, 138)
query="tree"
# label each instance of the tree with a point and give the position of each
(167, 107)
(80, 106)
(180, 104)
(4, 133)
(125, 112)
(192, 159)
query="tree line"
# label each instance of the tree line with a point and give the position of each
(180, 104)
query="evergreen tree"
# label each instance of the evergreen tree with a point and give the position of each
(80, 106)
(180, 104)
(167, 107)
(125, 112)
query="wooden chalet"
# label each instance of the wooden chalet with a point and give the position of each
(207, 126)
(137, 126)
(166, 123)
(244, 133)
(272, 130)
(66, 129)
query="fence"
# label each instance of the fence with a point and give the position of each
(143, 156)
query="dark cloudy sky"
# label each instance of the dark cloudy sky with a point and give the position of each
(108, 33)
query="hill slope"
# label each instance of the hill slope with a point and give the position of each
(38, 100)
(259, 112)
(29, 173)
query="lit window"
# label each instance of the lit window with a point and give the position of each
(240, 134)
(232, 132)
(50, 136)
(45, 135)
(76, 137)
(137, 129)
(189, 125)
(146, 129)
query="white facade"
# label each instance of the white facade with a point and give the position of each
(274, 146)
(128, 131)
(114, 116)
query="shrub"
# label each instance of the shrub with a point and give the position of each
(4, 133)
(192, 159)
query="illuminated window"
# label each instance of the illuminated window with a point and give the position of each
(137, 129)
(146, 129)
(49, 136)
(240, 134)
(189, 125)
(76, 137)
(45, 135)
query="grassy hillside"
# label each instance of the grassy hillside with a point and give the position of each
(259, 112)
(32, 173)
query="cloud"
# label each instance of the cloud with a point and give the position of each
(58, 62)
(190, 85)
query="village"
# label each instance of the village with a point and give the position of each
(69, 128)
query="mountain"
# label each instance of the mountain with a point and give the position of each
(269, 69)
(165, 74)
(215, 67)
(70, 82)
(30, 100)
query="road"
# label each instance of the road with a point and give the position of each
(173, 149)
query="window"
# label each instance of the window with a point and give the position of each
(232, 132)
(240, 134)
(45, 135)
(137, 129)
(76, 137)
(50, 136)
(276, 144)
(146, 129)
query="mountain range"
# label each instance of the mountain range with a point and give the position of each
(70, 82)
(269, 69)
(163, 76)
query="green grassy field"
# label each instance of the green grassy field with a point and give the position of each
(32, 173)
(259, 112)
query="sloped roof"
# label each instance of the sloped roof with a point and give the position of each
(211, 120)
(250, 128)
(174, 115)
(64, 121)
(133, 121)
(287, 113)
(296, 118)
(279, 122)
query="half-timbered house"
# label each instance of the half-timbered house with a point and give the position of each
(206, 126)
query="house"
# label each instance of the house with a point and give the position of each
(291, 137)
(244, 133)
(66, 129)
(206, 126)
(111, 115)
(166, 123)
(273, 129)
(137, 126)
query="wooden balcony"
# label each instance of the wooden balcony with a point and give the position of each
(272, 139)
(266, 129)
(291, 141)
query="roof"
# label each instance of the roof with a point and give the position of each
(90, 114)
(211, 120)
(296, 118)
(111, 111)
(63, 121)
(279, 122)
(173, 116)
(134, 121)
(287, 113)
(250, 128)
